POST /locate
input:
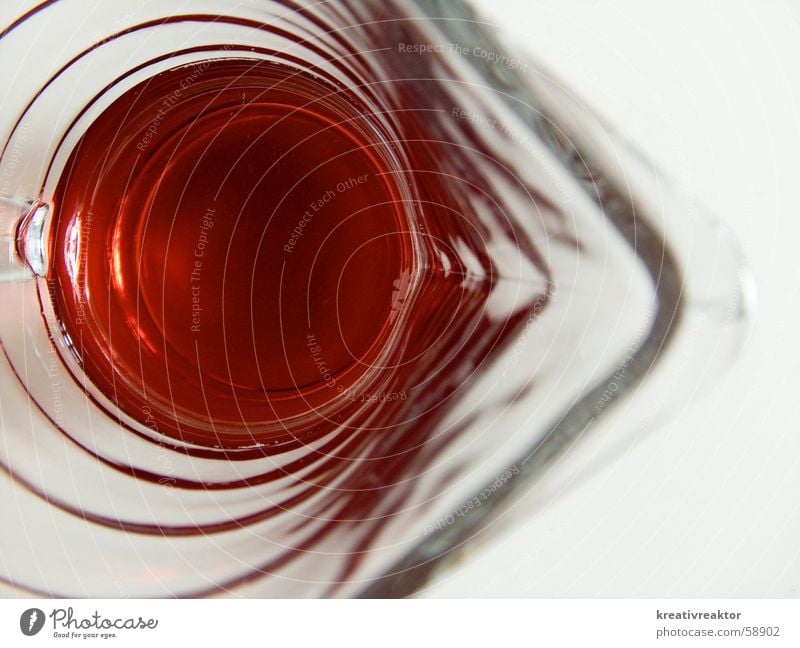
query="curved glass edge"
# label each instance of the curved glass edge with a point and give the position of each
(704, 296)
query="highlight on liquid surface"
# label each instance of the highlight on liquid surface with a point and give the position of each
(227, 250)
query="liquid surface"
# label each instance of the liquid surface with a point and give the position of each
(224, 251)
(366, 420)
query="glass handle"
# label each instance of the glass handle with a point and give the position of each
(716, 303)
(705, 291)
(718, 292)
(23, 253)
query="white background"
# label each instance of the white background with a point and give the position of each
(710, 504)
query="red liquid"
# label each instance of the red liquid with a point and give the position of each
(208, 240)
(237, 264)
(365, 321)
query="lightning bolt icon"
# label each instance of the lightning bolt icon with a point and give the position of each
(32, 620)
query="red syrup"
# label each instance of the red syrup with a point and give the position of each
(237, 264)
(375, 369)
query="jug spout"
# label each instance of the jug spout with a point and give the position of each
(23, 252)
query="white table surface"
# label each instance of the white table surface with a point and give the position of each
(709, 505)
